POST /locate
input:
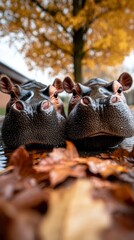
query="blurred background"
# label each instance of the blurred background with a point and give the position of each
(83, 38)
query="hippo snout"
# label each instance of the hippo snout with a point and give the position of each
(96, 104)
(41, 107)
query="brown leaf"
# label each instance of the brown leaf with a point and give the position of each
(61, 154)
(103, 167)
(124, 157)
(24, 226)
(17, 224)
(119, 153)
(71, 150)
(119, 200)
(58, 175)
(29, 198)
(9, 184)
(73, 214)
(22, 161)
(105, 155)
(7, 213)
(6, 170)
(45, 166)
(60, 164)
(123, 192)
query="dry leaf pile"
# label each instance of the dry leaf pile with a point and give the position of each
(62, 196)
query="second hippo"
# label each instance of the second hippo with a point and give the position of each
(34, 114)
(98, 115)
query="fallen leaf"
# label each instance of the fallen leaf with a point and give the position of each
(103, 167)
(9, 184)
(60, 164)
(119, 201)
(22, 161)
(73, 214)
(6, 170)
(123, 192)
(71, 149)
(75, 204)
(61, 154)
(29, 198)
(123, 156)
(119, 153)
(17, 224)
(46, 167)
(59, 175)
(105, 155)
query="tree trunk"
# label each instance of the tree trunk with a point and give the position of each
(77, 56)
(78, 43)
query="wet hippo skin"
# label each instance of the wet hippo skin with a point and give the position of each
(98, 115)
(34, 114)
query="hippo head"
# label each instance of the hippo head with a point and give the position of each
(98, 115)
(34, 114)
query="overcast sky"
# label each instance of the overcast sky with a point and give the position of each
(15, 60)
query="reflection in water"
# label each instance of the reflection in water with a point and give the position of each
(3, 158)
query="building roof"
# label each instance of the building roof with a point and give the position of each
(15, 76)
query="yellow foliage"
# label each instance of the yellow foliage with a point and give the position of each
(48, 31)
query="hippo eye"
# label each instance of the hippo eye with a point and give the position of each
(74, 92)
(55, 94)
(120, 90)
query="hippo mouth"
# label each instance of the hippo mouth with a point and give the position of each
(102, 134)
(100, 141)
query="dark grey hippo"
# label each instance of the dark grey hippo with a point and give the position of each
(98, 115)
(34, 114)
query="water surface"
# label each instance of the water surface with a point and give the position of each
(5, 153)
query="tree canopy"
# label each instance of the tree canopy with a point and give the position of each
(73, 36)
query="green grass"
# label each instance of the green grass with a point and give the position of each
(2, 111)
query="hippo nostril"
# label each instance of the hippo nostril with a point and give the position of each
(86, 100)
(19, 106)
(114, 99)
(45, 105)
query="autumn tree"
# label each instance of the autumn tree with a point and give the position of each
(73, 36)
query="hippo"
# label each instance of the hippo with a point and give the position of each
(98, 115)
(34, 114)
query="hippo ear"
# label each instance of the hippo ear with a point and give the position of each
(5, 84)
(125, 80)
(68, 84)
(58, 85)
